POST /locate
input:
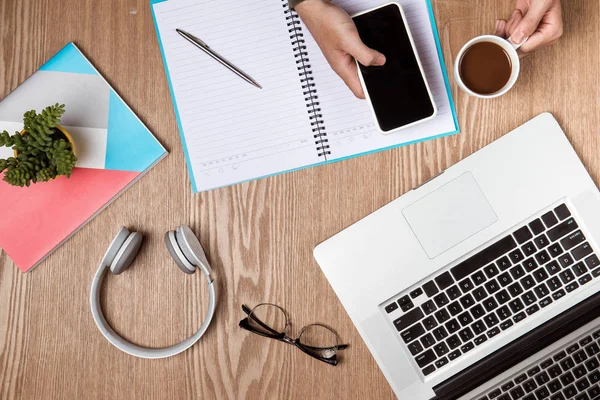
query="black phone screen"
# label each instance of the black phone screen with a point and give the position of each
(397, 89)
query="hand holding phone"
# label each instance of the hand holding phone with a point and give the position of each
(397, 91)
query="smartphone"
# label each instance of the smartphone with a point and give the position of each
(397, 91)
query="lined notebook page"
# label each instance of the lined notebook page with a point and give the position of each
(349, 122)
(234, 131)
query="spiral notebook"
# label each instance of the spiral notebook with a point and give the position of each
(304, 116)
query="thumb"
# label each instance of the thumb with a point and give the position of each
(363, 54)
(530, 22)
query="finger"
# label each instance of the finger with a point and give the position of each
(500, 28)
(530, 22)
(349, 74)
(364, 54)
(513, 22)
(534, 42)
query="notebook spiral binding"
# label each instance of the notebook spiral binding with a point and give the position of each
(307, 80)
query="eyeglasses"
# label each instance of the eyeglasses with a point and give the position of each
(316, 340)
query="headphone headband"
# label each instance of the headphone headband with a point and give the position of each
(118, 257)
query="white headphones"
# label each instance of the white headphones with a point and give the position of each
(187, 252)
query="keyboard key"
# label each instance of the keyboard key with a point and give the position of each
(415, 348)
(536, 226)
(555, 250)
(592, 349)
(528, 249)
(520, 379)
(523, 234)
(529, 385)
(442, 316)
(571, 286)
(503, 263)
(502, 297)
(478, 278)
(412, 333)
(582, 384)
(479, 293)
(492, 286)
(585, 341)
(429, 323)
(506, 324)
(554, 386)
(572, 240)
(542, 257)
(533, 371)
(592, 365)
(441, 362)
(585, 279)
(558, 295)
(479, 340)
(554, 371)
(441, 349)
(545, 364)
(466, 334)
(428, 307)
(491, 320)
(516, 305)
(407, 305)
(515, 289)
(477, 311)
(559, 356)
(517, 272)
(561, 230)
(594, 376)
(529, 298)
(440, 333)
(540, 275)
(541, 241)
(467, 347)
(581, 251)
(452, 326)
(567, 378)
(516, 256)
(454, 355)
(490, 304)
(465, 318)
(453, 292)
(565, 260)
(542, 393)
(562, 212)
(533, 309)
(570, 391)
(453, 341)
(552, 268)
(493, 332)
(467, 301)
(430, 288)
(484, 257)
(425, 358)
(428, 370)
(416, 293)
(541, 290)
(490, 271)
(527, 282)
(545, 302)
(441, 299)
(517, 393)
(391, 307)
(465, 285)
(594, 392)
(567, 364)
(530, 264)
(592, 261)
(444, 281)
(566, 276)
(494, 393)
(596, 272)
(479, 327)
(454, 308)
(549, 219)
(408, 319)
(554, 283)
(507, 386)
(505, 279)
(579, 370)
(503, 313)
(542, 378)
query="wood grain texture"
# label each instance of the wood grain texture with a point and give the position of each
(259, 235)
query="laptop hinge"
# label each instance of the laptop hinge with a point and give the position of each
(519, 349)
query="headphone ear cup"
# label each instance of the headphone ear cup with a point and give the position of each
(191, 247)
(115, 246)
(176, 253)
(127, 253)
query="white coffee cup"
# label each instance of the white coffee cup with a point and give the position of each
(509, 47)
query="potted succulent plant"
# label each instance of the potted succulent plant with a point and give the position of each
(42, 151)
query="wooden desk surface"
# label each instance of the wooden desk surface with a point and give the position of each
(259, 236)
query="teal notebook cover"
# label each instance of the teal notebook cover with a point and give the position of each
(185, 146)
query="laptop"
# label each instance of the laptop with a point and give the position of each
(483, 282)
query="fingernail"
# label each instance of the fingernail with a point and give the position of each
(497, 26)
(518, 37)
(381, 60)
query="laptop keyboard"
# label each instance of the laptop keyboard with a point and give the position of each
(572, 372)
(494, 290)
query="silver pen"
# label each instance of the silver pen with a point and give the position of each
(204, 47)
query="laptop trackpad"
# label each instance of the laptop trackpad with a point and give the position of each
(449, 215)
